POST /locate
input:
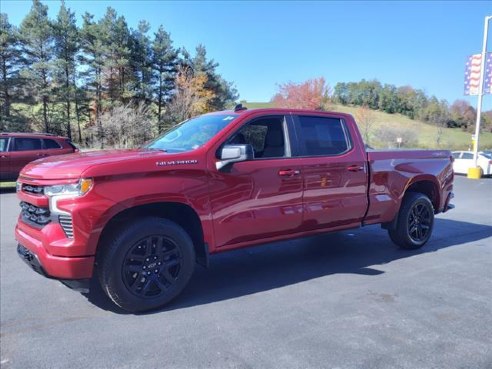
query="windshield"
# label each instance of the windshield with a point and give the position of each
(191, 134)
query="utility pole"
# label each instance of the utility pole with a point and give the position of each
(474, 172)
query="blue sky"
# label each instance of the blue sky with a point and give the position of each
(260, 44)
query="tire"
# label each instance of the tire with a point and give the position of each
(415, 222)
(146, 264)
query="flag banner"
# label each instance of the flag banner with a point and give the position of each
(472, 74)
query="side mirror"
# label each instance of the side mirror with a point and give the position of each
(234, 154)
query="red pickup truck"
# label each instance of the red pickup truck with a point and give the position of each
(141, 219)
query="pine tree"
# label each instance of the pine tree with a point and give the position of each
(10, 64)
(37, 38)
(224, 92)
(164, 67)
(185, 60)
(94, 52)
(200, 62)
(141, 62)
(117, 69)
(66, 49)
(122, 52)
(106, 29)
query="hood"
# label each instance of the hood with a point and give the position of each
(75, 165)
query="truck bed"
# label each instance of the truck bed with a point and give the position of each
(391, 172)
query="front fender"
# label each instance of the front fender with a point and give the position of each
(112, 195)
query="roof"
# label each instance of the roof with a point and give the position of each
(279, 111)
(31, 134)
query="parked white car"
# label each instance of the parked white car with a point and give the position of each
(463, 160)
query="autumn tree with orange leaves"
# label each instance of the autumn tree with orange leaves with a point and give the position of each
(365, 119)
(312, 94)
(191, 98)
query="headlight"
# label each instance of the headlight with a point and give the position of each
(74, 189)
(66, 191)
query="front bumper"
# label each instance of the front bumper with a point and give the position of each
(63, 248)
(33, 252)
(30, 259)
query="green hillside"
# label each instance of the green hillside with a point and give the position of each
(452, 138)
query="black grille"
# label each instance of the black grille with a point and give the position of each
(32, 213)
(37, 190)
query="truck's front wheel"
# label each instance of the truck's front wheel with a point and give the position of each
(414, 223)
(145, 264)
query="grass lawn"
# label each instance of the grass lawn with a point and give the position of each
(7, 184)
(452, 138)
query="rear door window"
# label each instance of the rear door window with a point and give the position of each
(3, 144)
(322, 136)
(467, 155)
(51, 144)
(26, 144)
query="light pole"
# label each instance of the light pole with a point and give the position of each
(475, 171)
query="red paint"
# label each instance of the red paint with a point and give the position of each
(12, 160)
(254, 202)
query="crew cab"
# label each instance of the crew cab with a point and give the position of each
(140, 220)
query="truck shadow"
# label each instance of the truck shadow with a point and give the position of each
(258, 269)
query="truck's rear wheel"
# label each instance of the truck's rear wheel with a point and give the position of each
(414, 223)
(146, 264)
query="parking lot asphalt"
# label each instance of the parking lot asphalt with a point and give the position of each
(345, 300)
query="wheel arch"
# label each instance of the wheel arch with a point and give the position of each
(424, 185)
(180, 213)
(427, 186)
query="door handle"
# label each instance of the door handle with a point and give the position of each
(289, 172)
(355, 168)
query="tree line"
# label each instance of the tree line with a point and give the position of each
(408, 101)
(95, 82)
(373, 95)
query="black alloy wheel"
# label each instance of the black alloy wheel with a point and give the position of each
(415, 221)
(146, 263)
(419, 222)
(152, 266)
